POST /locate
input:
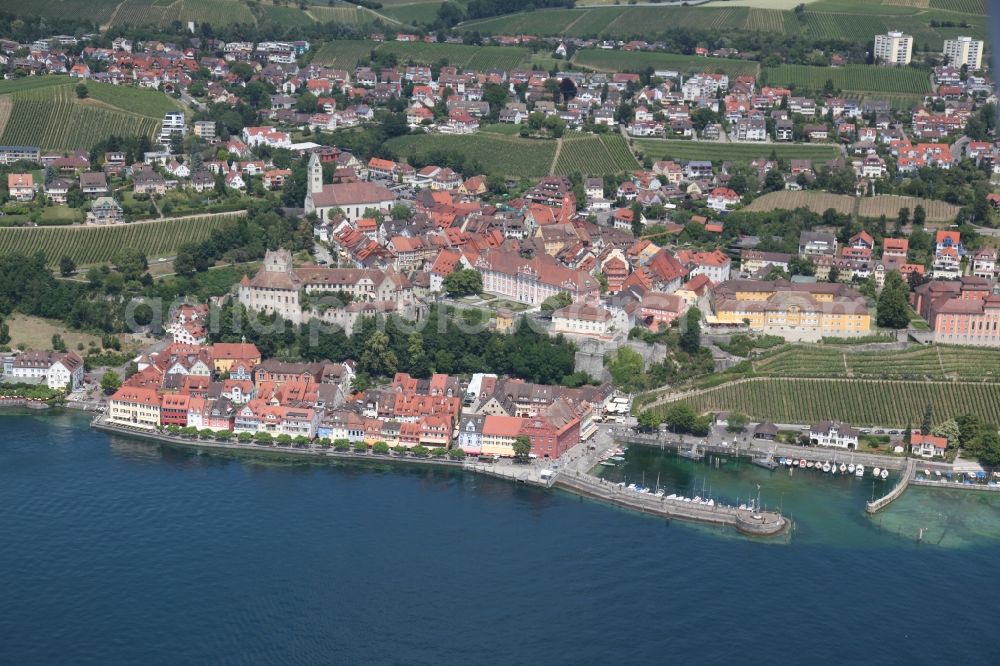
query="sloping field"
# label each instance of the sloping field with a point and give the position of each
(853, 78)
(680, 149)
(930, 363)
(343, 53)
(47, 113)
(855, 401)
(593, 155)
(497, 154)
(817, 202)
(889, 205)
(94, 245)
(638, 61)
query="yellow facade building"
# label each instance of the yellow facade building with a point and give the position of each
(797, 312)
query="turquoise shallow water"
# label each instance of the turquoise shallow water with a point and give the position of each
(827, 509)
(120, 552)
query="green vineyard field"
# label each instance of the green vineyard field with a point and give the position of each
(498, 154)
(858, 402)
(47, 113)
(679, 149)
(854, 78)
(593, 155)
(95, 245)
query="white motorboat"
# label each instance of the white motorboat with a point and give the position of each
(859, 471)
(672, 496)
(884, 474)
(826, 467)
(843, 467)
(876, 471)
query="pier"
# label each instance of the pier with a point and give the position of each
(875, 506)
(747, 521)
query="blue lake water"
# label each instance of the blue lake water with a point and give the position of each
(121, 552)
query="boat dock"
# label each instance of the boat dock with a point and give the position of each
(748, 521)
(761, 449)
(875, 506)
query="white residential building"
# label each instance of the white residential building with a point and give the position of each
(831, 433)
(893, 48)
(173, 123)
(964, 51)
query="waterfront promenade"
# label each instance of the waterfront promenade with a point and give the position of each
(571, 473)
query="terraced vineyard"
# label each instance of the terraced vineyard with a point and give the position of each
(343, 53)
(854, 78)
(498, 154)
(593, 155)
(680, 149)
(765, 20)
(95, 245)
(934, 363)
(54, 119)
(963, 6)
(858, 402)
(817, 202)
(638, 61)
(888, 205)
(346, 53)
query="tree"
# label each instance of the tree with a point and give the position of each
(626, 369)
(560, 300)
(801, 266)
(456, 453)
(110, 382)
(919, 216)
(4, 333)
(969, 427)
(66, 266)
(949, 430)
(439, 452)
(522, 446)
(904, 217)
(737, 422)
(380, 448)
(928, 422)
(378, 359)
(986, 447)
(893, 309)
(263, 437)
(691, 336)
(81, 91)
(419, 363)
(648, 420)
(463, 282)
(360, 447)
(680, 417)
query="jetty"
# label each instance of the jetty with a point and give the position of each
(877, 505)
(749, 521)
